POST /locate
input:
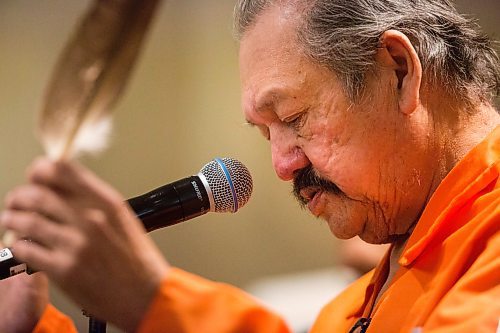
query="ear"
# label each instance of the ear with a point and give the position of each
(398, 53)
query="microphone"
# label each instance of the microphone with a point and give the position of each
(222, 185)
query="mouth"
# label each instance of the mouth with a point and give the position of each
(308, 193)
(309, 187)
(310, 196)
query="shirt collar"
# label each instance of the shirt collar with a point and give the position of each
(472, 174)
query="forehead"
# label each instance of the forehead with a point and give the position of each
(270, 57)
(270, 42)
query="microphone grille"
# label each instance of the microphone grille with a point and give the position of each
(230, 183)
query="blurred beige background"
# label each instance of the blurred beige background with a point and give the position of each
(181, 109)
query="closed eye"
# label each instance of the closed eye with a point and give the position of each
(297, 120)
(263, 130)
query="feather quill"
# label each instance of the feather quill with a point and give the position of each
(91, 75)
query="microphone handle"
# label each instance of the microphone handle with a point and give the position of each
(165, 206)
(170, 204)
(9, 266)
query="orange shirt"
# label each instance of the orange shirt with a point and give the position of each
(53, 321)
(449, 279)
(189, 303)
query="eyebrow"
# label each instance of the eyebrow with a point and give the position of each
(269, 98)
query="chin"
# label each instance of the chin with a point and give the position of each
(349, 227)
(373, 238)
(376, 239)
(343, 228)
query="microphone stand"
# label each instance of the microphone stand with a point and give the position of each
(95, 325)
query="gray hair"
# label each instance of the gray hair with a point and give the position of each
(344, 35)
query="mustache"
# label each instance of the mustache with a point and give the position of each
(307, 177)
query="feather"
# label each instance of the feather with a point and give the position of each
(91, 75)
(89, 78)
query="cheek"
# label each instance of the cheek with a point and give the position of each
(350, 151)
(354, 166)
(323, 144)
(356, 172)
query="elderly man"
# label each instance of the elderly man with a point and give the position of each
(381, 114)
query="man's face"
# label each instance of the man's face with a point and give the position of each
(354, 165)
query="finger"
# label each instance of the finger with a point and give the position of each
(41, 200)
(37, 228)
(8, 238)
(76, 181)
(36, 256)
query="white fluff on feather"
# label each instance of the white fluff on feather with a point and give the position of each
(93, 137)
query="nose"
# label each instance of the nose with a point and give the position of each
(287, 156)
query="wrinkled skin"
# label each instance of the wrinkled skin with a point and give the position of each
(379, 152)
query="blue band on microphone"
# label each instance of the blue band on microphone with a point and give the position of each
(230, 181)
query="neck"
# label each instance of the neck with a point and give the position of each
(396, 252)
(457, 132)
(453, 133)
